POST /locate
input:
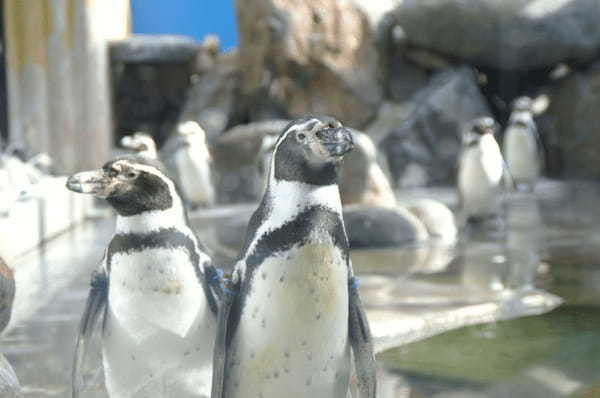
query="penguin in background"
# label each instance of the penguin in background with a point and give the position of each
(153, 288)
(141, 143)
(193, 161)
(521, 148)
(481, 172)
(291, 319)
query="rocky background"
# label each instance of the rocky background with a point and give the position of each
(409, 73)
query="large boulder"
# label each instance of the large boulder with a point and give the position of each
(380, 227)
(304, 56)
(424, 149)
(571, 125)
(211, 96)
(513, 35)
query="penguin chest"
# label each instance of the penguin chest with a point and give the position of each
(479, 179)
(153, 291)
(292, 338)
(193, 167)
(520, 150)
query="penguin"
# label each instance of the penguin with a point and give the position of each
(152, 289)
(291, 318)
(193, 162)
(362, 180)
(520, 147)
(142, 143)
(480, 171)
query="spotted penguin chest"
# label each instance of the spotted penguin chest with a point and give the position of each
(155, 290)
(292, 337)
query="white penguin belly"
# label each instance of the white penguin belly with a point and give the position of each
(194, 176)
(292, 339)
(479, 181)
(159, 332)
(520, 151)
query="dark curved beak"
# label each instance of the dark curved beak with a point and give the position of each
(337, 141)
(92, 182)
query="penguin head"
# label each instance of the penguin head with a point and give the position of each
(522, 104)
(190, 129)
(310, 150)
(139, 142)
(477, 129)
(131, 184)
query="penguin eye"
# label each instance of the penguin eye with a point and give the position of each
(301, 137)
(130, 175)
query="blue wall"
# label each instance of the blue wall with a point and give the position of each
(195, 18)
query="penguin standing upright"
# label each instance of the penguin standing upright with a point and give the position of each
(152, 288)
(480, 171)
(292, 314)
(193, 162)
(521, 149)
(142, 143)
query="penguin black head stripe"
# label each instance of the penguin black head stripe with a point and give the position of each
(477, 129)
(131, 185)
(310, 150)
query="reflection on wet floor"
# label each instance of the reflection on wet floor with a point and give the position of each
(549, 243)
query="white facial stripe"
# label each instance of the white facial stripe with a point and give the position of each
(282, 137)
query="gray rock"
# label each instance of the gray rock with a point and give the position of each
(7, 294)
(154, 49)
(424, 149)
(295, 57)
(210, 99)
(570, 128)
(9, 384)
(514, 35)
(377, 227)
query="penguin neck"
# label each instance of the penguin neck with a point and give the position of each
(152, 220)
(286, 199)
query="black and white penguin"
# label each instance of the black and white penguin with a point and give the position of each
(142, 143)
(193, 162)
(292, 316)
(153, 288)
(520, 147)
(480, 171)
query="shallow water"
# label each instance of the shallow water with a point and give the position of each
(549, 243)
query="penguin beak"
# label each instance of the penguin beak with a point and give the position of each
(92, 182)
(337, 141)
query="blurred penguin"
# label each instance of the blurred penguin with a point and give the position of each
(521, 150)
(480, 171)
(193, 162)
(141, 143)
(362, 180)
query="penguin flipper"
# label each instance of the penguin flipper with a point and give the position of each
(362, 344)
(228, 300)
(94, 307)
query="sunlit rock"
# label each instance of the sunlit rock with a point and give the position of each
(301, 57)
(520, 34)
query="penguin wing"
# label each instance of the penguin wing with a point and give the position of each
(224, 322)
(95, 306)
(362, 344)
